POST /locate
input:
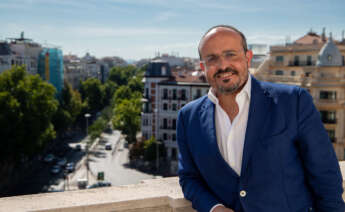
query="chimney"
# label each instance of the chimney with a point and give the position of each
(323, 36)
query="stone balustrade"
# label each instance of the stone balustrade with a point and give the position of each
(155, 195)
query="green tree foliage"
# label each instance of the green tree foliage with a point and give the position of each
(70, 106)
(136, 84)
(127, 118)
(93, 93)
(109, 87)
(27, 104)
(122, 75)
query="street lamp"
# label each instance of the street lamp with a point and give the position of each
(87, 115)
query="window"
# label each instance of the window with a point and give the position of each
(164, 70)
(280, 59)
(309, 62)
(174, 124)
(165, 93)
(279, 72)
(174, 94)
(328, 117)
(174, 137)
(174, 154)
(331, 135)
(165, 136)
(165, 106)
(174, 107)
(296, 61)
(293, 73)
(165, 123)
(330, 95)
(183, 94)
(145, 122)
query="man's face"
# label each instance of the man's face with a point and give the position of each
(224, 61)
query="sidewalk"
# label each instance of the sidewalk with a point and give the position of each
(71, 182)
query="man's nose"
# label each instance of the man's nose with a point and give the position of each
(222, 63)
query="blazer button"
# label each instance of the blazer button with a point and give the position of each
(243, 193)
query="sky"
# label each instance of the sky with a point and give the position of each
(136, 29)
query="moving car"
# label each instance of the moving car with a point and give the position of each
(108, 147)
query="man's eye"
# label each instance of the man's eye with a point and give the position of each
(229, 55)
(211, 59)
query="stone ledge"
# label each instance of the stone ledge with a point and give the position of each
(151, 195)
(155, 195)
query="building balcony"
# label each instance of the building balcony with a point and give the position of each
(156, 195)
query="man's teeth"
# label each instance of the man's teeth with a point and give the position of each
(227, 74)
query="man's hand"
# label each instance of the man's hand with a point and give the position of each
(221, 208)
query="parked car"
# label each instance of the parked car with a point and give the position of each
(62, 162)
(49, 158)
(78, 147)
(108, 147)
(70, 167)
(99, 184)
(56, 169)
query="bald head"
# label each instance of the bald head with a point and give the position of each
(221, 29)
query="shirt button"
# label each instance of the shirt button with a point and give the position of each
(243, 193)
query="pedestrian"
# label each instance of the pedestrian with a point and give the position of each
(252, 146)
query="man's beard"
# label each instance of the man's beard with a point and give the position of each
(232, 88)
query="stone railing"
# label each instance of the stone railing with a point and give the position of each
(156, 195)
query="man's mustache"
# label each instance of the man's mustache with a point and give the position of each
(222, 71)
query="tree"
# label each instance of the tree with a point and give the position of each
(27, 104)
(109, 88)
(127, 118)
(136, 84)
(122, 75)
(93, 93)
(70, 106)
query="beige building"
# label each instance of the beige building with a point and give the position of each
(316, 63)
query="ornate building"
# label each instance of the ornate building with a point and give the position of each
(165, 92)
(316, 63)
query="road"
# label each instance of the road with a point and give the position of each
(114, 162)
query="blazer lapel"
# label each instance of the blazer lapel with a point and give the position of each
(207, 122)
(260, 104)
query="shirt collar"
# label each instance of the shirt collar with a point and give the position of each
(245, 90)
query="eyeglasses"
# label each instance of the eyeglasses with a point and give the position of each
(228, 56)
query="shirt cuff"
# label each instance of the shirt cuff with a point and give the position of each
(215, 207)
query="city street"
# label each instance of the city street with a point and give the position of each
(112, 162)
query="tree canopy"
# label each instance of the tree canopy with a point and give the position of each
(27, 104)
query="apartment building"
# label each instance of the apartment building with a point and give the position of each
(317, 63)
(166, 91)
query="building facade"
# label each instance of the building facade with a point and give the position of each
(314, 62)
(50, 67)
(165, 92)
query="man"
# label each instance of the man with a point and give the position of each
(253, 146)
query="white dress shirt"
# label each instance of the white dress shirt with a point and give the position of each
(230, 136)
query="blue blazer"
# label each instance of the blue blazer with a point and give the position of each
(288, 165)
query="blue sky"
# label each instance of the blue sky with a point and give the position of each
(135, 29)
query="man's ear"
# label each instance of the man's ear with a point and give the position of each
(249, 56)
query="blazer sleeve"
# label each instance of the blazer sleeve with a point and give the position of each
(319, 159)
(193, 186)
